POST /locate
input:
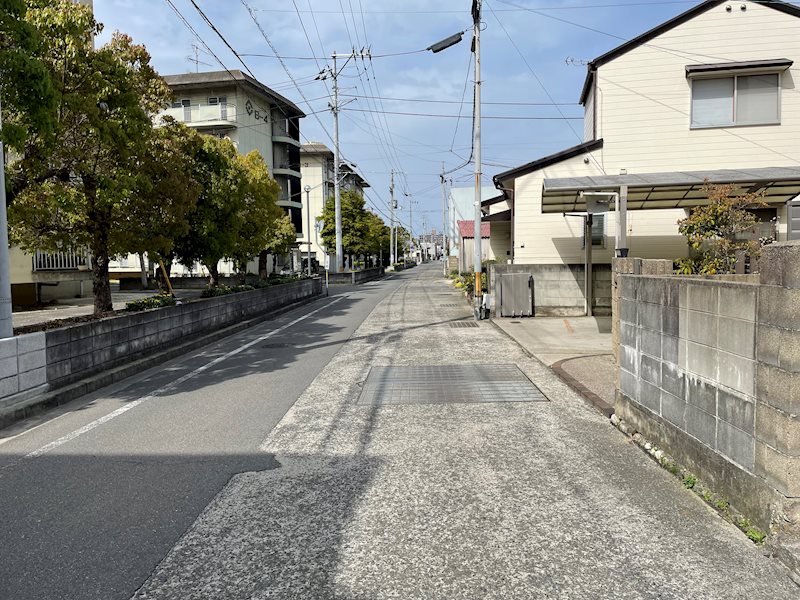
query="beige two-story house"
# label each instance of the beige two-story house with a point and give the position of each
(710, 95)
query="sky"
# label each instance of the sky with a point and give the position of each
(533, 55)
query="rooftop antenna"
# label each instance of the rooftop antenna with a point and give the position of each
(195, 58)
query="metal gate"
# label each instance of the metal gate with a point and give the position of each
(516, 295)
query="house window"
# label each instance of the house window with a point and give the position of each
(738, 100)
(598, 231)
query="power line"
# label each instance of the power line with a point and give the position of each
(421, 100)
(674, 52)
(541, 83)
(283, 64)
(496, 117)
(549, 8)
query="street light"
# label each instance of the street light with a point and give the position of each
(308, 225)
(446, 42)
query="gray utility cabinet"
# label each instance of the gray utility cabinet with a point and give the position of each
(793, 212)
(516, 295)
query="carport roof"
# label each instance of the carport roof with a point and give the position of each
(677, 189)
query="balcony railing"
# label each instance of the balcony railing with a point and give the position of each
(203, 113)
(59, 261)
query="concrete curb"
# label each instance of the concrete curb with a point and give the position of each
(601, 405)
(35, 405)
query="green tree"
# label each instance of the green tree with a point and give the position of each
(377, 237)
(355, 224)
(260, 215)
(215, 222)
(282, 236)
(166, 192)
(26, 91)
(714, 231)
(75, 187)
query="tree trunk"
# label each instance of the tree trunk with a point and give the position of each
(100, 217)
(143, 269)
(101, 286)
(213, 271)
(262, 265)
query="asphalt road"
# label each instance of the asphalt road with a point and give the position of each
(94, 495)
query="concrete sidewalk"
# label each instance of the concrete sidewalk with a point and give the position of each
(578, 349)
(79, 307)
(497, 500)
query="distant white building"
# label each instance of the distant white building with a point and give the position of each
(316, 167)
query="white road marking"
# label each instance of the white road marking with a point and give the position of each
(171, 386)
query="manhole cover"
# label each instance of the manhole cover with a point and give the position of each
(462, 324)
(448, 384)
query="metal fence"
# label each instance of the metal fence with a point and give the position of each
(59, 261)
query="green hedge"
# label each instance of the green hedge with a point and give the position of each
(224, 290)
(156, 301)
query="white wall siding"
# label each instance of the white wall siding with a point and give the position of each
(541, 238)
(645, 98)
(588, 118)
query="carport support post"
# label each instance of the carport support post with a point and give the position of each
(622, 222)
(587, 242)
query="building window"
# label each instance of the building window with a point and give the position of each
(187, 108)
(598, 231)
(222, 102)
(739, 100)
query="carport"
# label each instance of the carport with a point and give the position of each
(677, 189)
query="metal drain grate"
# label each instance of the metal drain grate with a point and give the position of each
(450, 305)
(462, 324)
(448, 384)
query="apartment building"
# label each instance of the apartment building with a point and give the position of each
(233, 105)
(316, 167)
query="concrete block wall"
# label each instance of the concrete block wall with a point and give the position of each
(22, 364)
(354, 277)
(82, 350)
(711, 370)
(778, 368)
(558, 289)
(687, 354)
(58, 357)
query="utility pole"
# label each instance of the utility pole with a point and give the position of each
(410, 225)
(335, 108)
(445, 249)
(6, 322)
(308, 226)
(392, 234)
(337, 186)
(476, 18)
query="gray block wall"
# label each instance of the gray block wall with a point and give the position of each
(354, 277)
(22, 365)
(559, 289)
(35, 362)
(711, 368)
(687, 354)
